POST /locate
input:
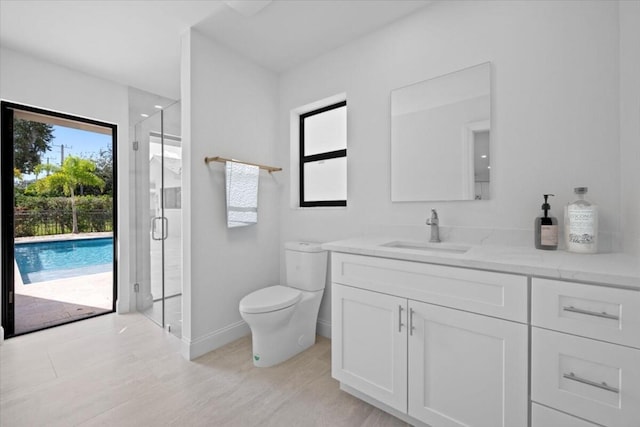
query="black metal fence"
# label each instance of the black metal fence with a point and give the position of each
(45, 222)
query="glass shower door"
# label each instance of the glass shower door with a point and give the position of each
(159, 218)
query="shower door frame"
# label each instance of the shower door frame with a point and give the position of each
(156, 227)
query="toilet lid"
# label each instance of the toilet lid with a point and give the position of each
(269, 299)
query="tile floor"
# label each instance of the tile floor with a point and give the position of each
(172, 314)
(122, 370)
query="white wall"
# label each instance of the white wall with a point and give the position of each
(30, 81)
(630, 124)
(556, 80)
(555, 109)
(229, 110)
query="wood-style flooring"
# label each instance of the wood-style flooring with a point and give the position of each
(122, 370)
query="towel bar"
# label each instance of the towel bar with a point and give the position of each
(207, 160)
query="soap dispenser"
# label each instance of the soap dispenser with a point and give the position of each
(546, 228)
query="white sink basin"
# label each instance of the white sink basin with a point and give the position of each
(427, 247)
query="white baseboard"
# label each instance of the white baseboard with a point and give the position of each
(121, 307)
(323, 328)
(192, 349)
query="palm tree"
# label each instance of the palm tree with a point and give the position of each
(74, 172)
(43, 167)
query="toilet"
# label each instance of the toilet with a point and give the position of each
(283, 318)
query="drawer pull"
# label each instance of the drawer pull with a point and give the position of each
(591, 313)
(400, 324)
(603, 385)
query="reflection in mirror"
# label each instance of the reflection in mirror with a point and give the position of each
(440, 137)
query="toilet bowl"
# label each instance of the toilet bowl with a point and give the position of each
(283, 319)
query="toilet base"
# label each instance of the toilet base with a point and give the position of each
(278, 336)
(278, 347)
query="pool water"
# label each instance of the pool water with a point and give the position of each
(42, 261)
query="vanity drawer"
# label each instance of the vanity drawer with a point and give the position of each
(599, 312)
(493, 294)
(594, 380)
(541, 416)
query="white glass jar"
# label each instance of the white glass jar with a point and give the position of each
(581, 224)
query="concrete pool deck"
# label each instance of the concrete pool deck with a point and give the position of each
(58, 237)
(48, 303)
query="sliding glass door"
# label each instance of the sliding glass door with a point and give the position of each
(158, 223)
(58, 218)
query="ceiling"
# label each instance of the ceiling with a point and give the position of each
(137, 42)
(286, 33)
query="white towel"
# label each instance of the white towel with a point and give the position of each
(242, 194)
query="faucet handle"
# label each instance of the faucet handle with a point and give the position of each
(433, 222)
(434, 218)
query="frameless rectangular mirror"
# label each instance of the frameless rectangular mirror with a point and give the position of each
(440, 137)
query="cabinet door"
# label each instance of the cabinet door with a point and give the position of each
(466, 369)
(369, 344)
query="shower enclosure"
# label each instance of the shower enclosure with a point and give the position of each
(158, 217)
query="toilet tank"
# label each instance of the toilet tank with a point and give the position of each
(306, 265)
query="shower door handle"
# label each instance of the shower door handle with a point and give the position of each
(164, 227)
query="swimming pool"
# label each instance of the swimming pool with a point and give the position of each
(42, 261)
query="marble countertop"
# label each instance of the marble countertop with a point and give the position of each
(616, 269)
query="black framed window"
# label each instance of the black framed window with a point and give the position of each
(323, 156)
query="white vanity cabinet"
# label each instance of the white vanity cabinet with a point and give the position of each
(432, 342)
(369, 344)
(585, 354)
(466, 369)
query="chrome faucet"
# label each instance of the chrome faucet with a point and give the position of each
(433, 223)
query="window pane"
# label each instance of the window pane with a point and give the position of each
(325, 180)
(325, 132)
(173, 198)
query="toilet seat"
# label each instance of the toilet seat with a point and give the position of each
(269, 299)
